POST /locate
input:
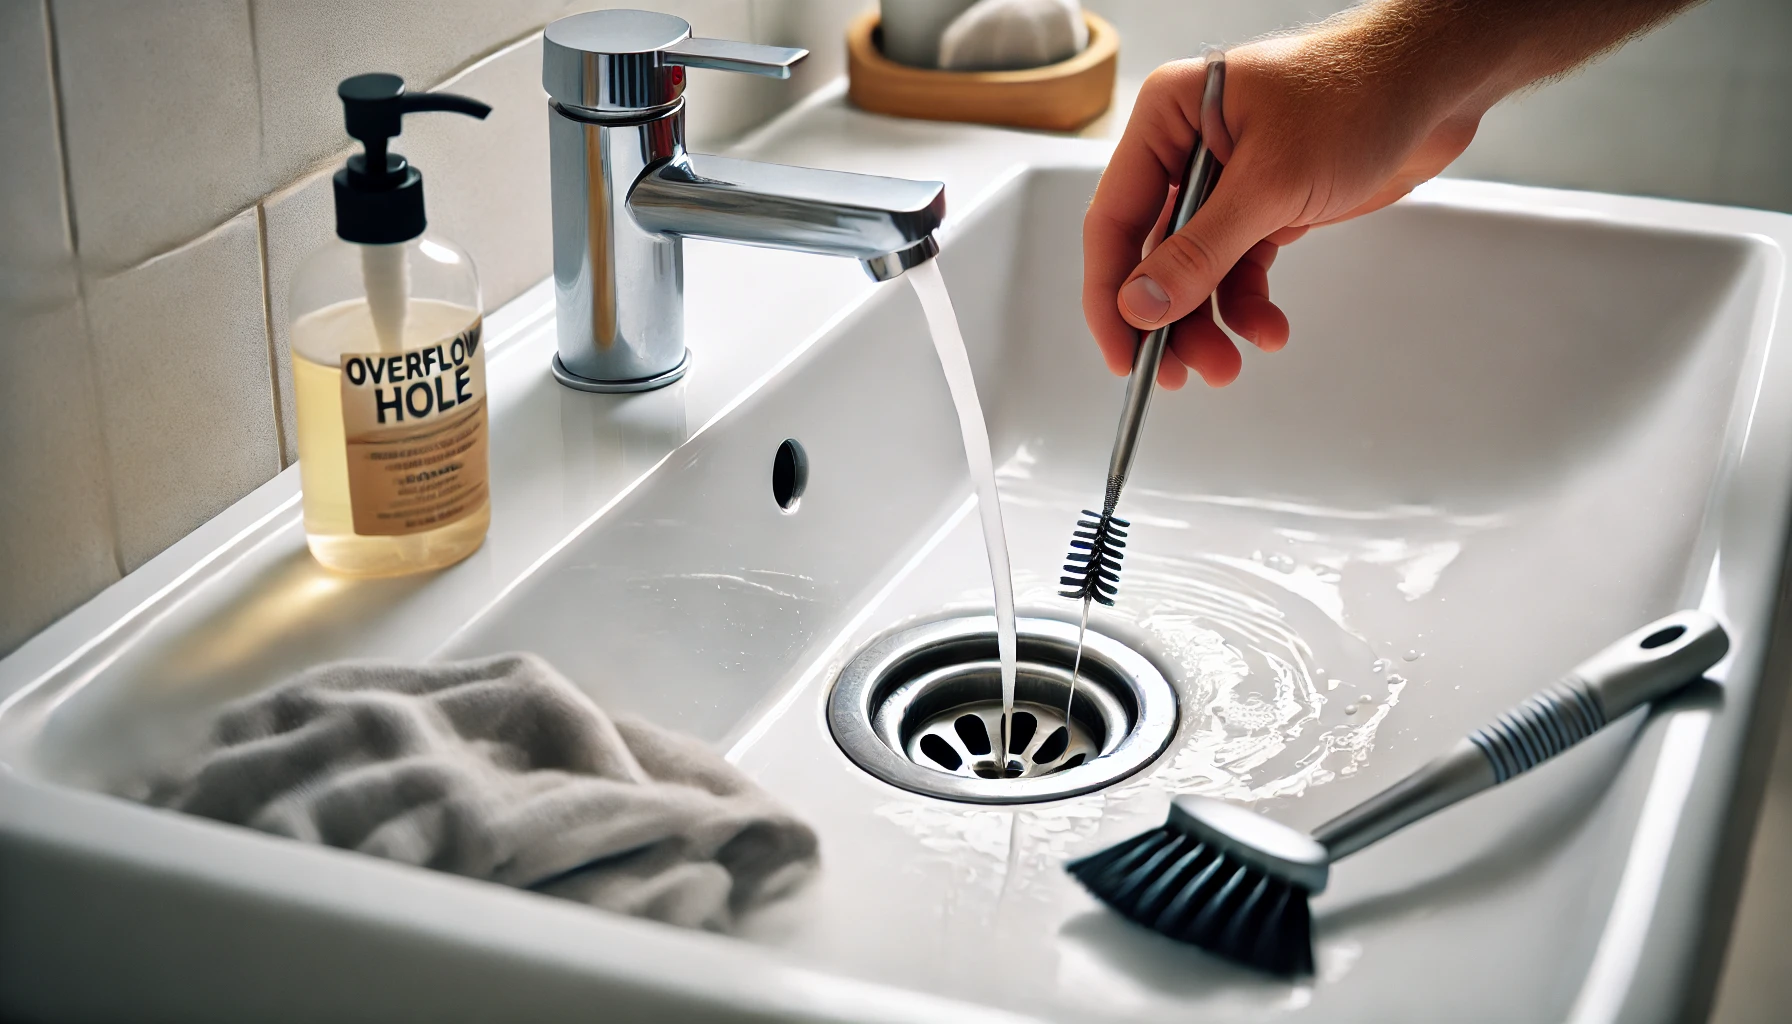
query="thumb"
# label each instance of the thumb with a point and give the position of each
(1185, 268)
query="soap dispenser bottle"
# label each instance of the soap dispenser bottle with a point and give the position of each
(388, 364)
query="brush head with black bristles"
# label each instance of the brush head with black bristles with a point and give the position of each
(1092, 569)
(1219, 877)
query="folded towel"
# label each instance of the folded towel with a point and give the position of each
(499, 769)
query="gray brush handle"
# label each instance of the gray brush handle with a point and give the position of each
(1643, 667)
(1198, 179)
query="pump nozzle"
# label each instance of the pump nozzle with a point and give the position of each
(379, 197)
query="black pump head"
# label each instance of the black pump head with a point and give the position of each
(379, 196)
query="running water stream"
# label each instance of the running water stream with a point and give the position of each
(942, 323)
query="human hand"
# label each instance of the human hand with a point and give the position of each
(1318, 128)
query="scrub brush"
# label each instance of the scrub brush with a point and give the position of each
(1236, 883)
(1092, 569)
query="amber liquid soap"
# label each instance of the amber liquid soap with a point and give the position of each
(321, 341)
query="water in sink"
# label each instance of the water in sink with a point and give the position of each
(942, 324)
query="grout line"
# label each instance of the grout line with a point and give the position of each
(80, 278)
(267, 323)
(261, 111)
(68, 185)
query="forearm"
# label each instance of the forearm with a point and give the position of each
(1469, 54)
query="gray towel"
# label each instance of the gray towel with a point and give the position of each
(499, 769)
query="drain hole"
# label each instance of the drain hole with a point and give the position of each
(1072, 762)
(975, 735)
(988, 770)
(1053, 747)
(790, 474)
(1020, 731)
(941, 752)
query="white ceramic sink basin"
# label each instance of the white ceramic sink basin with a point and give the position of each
(1512, 425)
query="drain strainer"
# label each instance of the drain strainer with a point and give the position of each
(922, 709)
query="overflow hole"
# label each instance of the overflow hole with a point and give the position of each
(790, 474)
(1663, 636)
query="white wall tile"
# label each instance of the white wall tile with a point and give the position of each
(56, 545)
(159, 101)
(35, 255)
(306, 48)
(818, 26)
(1754, 144)
(486, 182)
(296, 221)
(1603, 130)
(186, 400)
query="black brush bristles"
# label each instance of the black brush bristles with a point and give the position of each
(1092, 569)
(1193, 892)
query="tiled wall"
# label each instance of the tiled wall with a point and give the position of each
(163, 167)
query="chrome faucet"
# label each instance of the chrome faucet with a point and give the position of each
(626, 194)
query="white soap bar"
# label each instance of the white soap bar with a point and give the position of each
(1003, 35)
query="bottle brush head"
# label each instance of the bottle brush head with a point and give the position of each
(1092, 569)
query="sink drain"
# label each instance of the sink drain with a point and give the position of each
(922, 709)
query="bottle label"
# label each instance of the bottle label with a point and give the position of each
(416, 429)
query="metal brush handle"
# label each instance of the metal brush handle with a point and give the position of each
(1198, 180)
(1643, 667)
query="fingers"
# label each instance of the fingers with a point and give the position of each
(1244, 300)
(1184, 270)
(1199, 344)
(1130, 199)
(1162, 227)
(1172, 373)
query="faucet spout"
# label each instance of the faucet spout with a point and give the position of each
(885, 223)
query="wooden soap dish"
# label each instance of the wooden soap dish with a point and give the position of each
(1059, 97)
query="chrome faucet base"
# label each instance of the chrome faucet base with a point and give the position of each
(619, 387)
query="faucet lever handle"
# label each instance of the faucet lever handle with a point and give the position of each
(728, 55)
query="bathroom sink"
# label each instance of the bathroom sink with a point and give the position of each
(1512, 425)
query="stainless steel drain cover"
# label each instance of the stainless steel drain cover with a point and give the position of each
(922, 709)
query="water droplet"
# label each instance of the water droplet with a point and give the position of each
(1364, 699)
(1396, 680)
(1412, 656)
(1380, 665)
(1350, 709)
(1256, 556)
(1280, 563)
(1332, 684)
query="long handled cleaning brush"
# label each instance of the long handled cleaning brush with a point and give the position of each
(1236, 883)
(1092, 569)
